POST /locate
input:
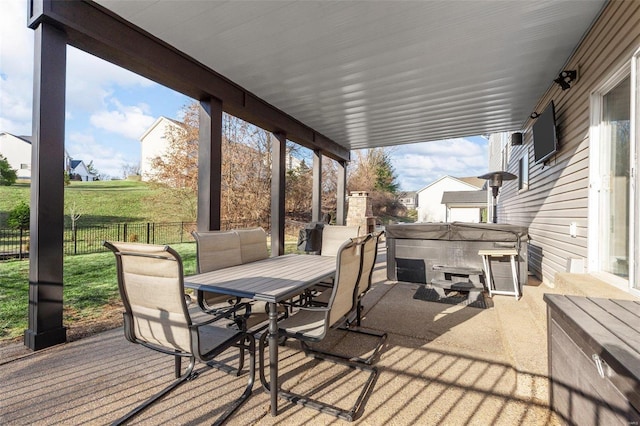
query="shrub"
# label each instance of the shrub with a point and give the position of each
(20, 216)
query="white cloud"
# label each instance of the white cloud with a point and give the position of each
(91, 81)
(130, 121)
(418, 165)
(16, 68)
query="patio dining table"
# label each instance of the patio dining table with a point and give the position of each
(271, 280)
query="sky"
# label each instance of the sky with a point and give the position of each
(108, 109)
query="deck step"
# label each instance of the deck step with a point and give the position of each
(457, 286)
(457, 270)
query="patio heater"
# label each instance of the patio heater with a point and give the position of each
(494, 180)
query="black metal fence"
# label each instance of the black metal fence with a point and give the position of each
(88, 238)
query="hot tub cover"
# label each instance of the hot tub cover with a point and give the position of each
(458, 231)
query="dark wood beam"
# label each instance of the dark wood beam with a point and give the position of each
(316, 190)
(47, 190)
(209, 165)
(98, 31)
(278, 163)
(341, 193)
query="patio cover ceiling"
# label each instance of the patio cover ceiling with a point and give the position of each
(380, 73)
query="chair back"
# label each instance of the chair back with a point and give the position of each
(152, 290)
(253, 244)
(333, 236)
(369, 255)
(217, 250)
(348, 263)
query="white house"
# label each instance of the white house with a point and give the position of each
(408, 199)
(430, 206)
(153, 143)
(78, 170)
(17, 151)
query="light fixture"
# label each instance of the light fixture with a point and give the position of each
(565, 78)
(494, 180)
(534, 115)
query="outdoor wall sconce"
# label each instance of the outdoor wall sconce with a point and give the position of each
(565, 78)
(494, 180)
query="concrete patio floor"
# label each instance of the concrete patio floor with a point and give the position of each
(443, 364)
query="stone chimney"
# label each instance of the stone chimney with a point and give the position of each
(360, 212)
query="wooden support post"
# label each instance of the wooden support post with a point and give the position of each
(209, 165)
(278, 161)
(47, 190)
(316, 192)
(341, 193)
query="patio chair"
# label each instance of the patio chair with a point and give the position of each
(333, 236)
(311, 324)
(216, 250)
(353, 321)
(150, 280)
(369, 254)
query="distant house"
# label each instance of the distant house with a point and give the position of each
(465, 206)
(409, 199)
(430, 207)
(153, 143)
(17, 151)
(79, 171)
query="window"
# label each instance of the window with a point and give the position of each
(24, 166)
(523, 173)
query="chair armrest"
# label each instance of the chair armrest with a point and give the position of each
(315, 308)
(224, 315)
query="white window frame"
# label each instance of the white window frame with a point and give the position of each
(523, 173)
(628, 69)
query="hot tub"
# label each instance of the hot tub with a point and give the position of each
(413, 249)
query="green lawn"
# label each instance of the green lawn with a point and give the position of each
(89, 284)
(107, 201)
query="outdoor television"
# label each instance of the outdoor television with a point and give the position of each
(545, 138)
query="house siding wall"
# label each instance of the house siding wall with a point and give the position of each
(17, 152)
(154, 144)
(559, 191)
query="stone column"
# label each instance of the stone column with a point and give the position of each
(360, 212)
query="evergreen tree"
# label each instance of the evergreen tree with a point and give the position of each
(8, 176)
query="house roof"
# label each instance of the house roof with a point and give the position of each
(370, 74)
(27, 139)
(455, 179)
(159, 120)
(472, 180)
(465, 198)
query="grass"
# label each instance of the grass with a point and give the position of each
(107, 201)
(90, 287)
(90, 284)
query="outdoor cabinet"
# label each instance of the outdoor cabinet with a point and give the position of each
(594, 363)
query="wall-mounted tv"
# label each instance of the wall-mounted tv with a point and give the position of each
(545, 138)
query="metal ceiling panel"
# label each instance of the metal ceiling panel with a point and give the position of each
(380, 73)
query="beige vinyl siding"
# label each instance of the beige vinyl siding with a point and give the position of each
(558, 192)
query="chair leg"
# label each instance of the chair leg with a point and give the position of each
(180, 380)
(177, 366)
(349, 415)
(250, 382)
